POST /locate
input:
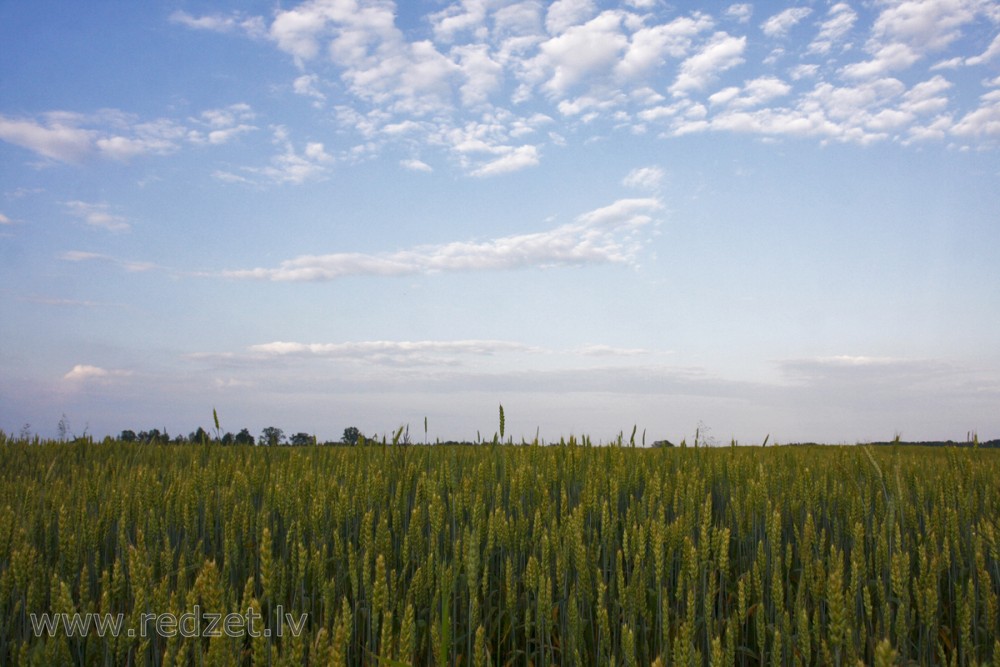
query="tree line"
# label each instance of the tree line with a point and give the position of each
(270, 436)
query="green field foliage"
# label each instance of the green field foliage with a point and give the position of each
(506, 555)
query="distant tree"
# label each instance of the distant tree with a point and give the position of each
(153, 437)
(351, 435)
(301, 439)
(128, 436)
(702, 436)
(63, 427)
(271, 436)
(228, 439)
(199, 436)
(244, 438)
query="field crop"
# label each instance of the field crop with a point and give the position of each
(505, 555)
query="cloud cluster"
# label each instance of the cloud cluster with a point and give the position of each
(886, 380)
(423, 352)
(235, 22)
(492, 86)
(612, 234)
(113, 134)
(848, 384)
(778, 25)
(488, 76)
(288, 165)
(645, 178)
(98, 215)
(434, 357)
(833, 30)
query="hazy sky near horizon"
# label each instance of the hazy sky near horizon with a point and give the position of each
(767, 218)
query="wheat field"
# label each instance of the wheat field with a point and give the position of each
(566, 554)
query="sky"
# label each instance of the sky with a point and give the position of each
(753, 219)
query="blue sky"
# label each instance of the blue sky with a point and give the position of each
(765, 218)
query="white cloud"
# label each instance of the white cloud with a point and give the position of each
(483, 75)
(935, 130)
(721, 53)
(518, 25)
(925, 97)
(85, 373)
(378, 349)
(876, 110)
(289, 165)
(949, 63)
(235, 22)
(649, 47)
(4, 220)
(778, 25)
(582, 51)
(803, 71)
(563, 14)
(296, 30)
(741, 12)
(511, 159)
(724, 97)
(157, 137)
(754, 93)
(605, 235)
(903, 33)
(991, 52)
(230, 177)
(888, 59)
(83, 256)
(217, 137)
(307, 85)
(55, 140)
(588, 107)
(925, 25)
(488, 146)
(840, 19)
(611, 351)
(316, 152)
(413, 79)
(443, 354)
(847, 102)
(983, 121)
(890, 369)
(645, 178)
(413, 164)
(907, 31)
(377, 63)
(469, 17)
(110, 133)
(74, 303)
(98, 215)
(124, 148)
